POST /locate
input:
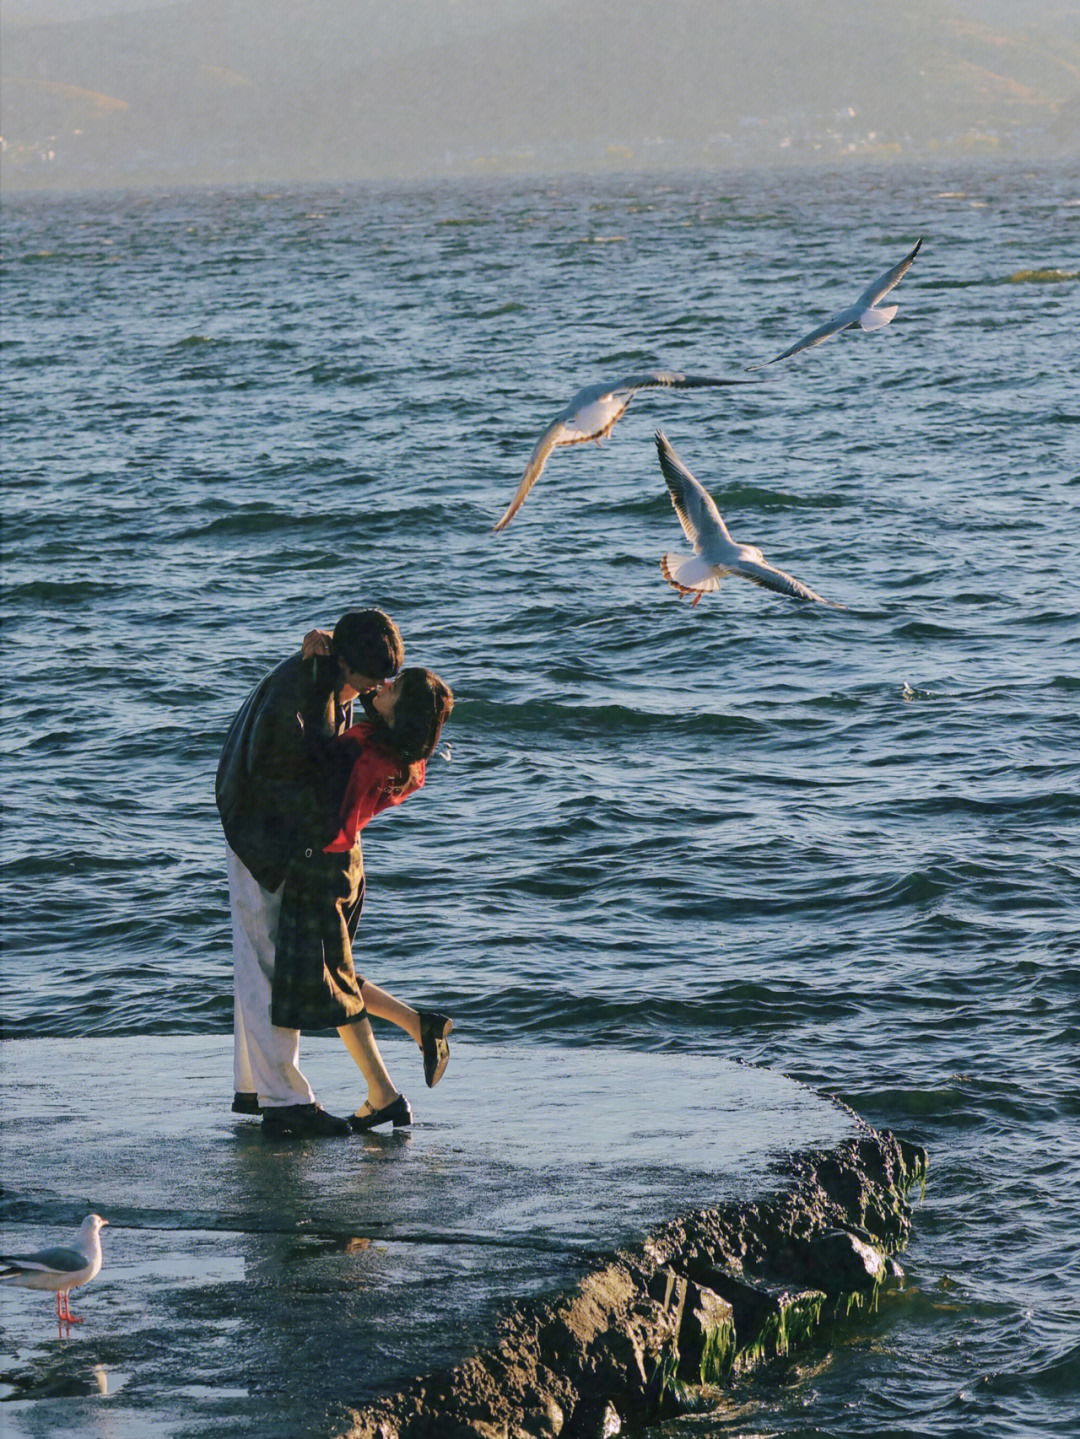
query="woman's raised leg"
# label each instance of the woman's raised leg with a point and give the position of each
(385, 1006)
(428, 1028)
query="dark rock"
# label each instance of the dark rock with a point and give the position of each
(839, 1262)
(767, 1319)
(706, 1336)
(617, 1352)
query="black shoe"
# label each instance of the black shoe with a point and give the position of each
(433, 1031)
(396, 1112)
(245, 1103)
(302, 1121)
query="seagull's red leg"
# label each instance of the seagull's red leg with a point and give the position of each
(697, 597)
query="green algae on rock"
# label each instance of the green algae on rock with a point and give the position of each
(723, 1289)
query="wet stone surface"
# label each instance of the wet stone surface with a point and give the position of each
(278, 1288)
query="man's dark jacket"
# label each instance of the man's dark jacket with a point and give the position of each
(278, 788)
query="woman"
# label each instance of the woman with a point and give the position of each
(372, 765)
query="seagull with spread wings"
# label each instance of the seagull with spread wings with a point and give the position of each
(866, 312)
(716, 554)
(591, 415)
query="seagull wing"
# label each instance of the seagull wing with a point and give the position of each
(839, 321)
(884, 283)
(698, 515)
(556, 433)
(671, 380)
(770, 578)
(47, 1261)
(869, 297)
(593, 411)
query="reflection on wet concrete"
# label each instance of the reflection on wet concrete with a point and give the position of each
(255, 1288)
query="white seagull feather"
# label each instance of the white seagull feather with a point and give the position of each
(716, 554)
(865, 312)
(591, 415)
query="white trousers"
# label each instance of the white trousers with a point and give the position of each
(266, 1058)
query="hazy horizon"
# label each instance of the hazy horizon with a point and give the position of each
(107, 93)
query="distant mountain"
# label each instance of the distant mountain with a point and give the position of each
(260, 91)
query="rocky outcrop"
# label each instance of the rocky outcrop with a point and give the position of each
(718, 1291)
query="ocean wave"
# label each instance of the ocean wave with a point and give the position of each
(925, 630)
(737, 496)
(255, 522)
(348, 376)
(590, 721)
(75, 592)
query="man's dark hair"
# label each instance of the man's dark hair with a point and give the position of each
(369, 642)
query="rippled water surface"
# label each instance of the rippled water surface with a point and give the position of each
(841, 842)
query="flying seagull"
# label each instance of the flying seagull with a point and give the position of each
(715, 553)
(865, 312)
(60, 1270)
(591, 415)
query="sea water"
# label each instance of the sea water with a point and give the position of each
(841, 842)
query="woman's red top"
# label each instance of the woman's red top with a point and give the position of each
(372, 785)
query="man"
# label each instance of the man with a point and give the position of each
(273, 798)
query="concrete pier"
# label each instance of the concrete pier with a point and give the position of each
(283, 1289)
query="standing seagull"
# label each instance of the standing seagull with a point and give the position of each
(715, 553)
(865, 311)
(58, 1269)
(591, 415)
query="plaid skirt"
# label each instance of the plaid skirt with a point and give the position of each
(315, 985)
